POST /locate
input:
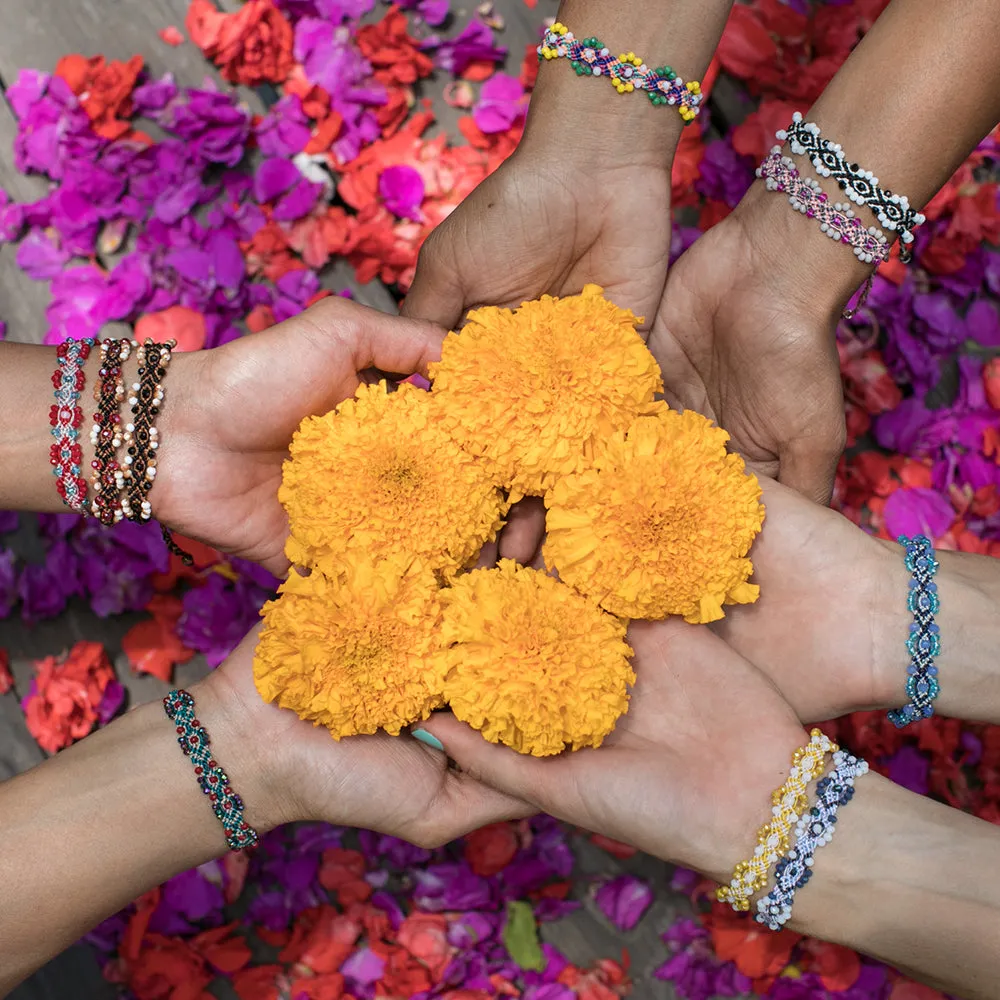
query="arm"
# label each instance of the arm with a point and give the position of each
(85, 833)
(745, 331)
(704, 743)
(914, 883)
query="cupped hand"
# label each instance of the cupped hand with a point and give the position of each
(230, 414)
(548, 223)
(745, 335)
(829, 597)
(687, 774)
(288, 769)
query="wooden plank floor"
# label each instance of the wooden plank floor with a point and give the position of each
(35, 34)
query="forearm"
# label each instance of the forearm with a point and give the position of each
(88, 831)
(969, 618)
(26, 395)
(569, 112)
(913, 883)
(910, 104)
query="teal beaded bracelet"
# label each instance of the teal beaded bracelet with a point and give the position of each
(214, 782)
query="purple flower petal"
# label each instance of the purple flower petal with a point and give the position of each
(402, 190)
(623, 900)
(918, 511)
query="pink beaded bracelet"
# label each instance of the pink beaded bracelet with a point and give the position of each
(837, 220)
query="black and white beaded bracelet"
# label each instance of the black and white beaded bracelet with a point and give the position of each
(861, 186)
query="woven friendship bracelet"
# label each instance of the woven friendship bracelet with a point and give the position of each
(814, 830)
(106, 433)
(626, 72)
(861, 186)
(788, 803)
(66, 418)
(924, 641)
(837, 220)
(214, 782)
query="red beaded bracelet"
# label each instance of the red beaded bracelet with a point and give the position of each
(66, 417)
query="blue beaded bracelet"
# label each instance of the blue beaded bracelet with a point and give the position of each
(924, 641)
(813, 831)
(214, 782)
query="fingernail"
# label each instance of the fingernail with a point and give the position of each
(428, 739)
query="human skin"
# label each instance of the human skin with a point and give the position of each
(226, 423)
(687, 776)
(118, 813)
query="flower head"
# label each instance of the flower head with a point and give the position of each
(661, 525)
(534, 389)
(379, 477)
(530, 663)
(351, 653)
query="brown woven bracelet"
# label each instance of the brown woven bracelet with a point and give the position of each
(106, 433)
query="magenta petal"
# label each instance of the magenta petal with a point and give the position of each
(983, 323)
(402, 190)
(274, 178)
(623, 900)
(299, 201)
(364, 966)
(918, 511)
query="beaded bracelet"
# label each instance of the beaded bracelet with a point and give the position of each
(837, 220)
(861, 186)
(814, 830)
(66, 417)
(106, 433)
(626, 72)
(788, 803)
(924, 641)
(140, 433)
(214, 782)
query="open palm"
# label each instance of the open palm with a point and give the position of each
(234, 410)
(703, 728)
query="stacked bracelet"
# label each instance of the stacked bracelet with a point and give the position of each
(861, 186)
(106, 434)
(66, 417)
(626, 72)
(214, 782)
(924, 641)
(813, 830)
(788, 803)
(837, 220)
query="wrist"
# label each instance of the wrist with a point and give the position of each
(812, 273)
(969, 619)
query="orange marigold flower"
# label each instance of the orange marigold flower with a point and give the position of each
(350, 653)
(531, 663)
(380, 477)
(661, 525)
(533, 390)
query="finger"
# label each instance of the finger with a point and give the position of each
(809, 465)
(522, 535)
(514, 774)
(436, 294)
(374, 339)
(467, 804)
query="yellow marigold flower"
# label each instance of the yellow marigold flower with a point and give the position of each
(351, 654)
(532, 389)
(661, 525)
(381, 477)
(531, 663)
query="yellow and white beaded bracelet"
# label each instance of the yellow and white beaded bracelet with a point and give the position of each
(788, 804)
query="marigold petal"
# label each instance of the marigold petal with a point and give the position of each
(381, 477)
(661, 525)
(533, 390)
(531, 663)
(351, 653)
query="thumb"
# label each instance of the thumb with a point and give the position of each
(437, 293)
(809, 465)
(514, 774)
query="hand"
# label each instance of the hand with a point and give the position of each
(230, 414)
(745, 335)
(288, 770)
(546, 223)
(687, 774)
(829, 625)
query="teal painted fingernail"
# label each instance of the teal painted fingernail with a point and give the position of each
(428, 739)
